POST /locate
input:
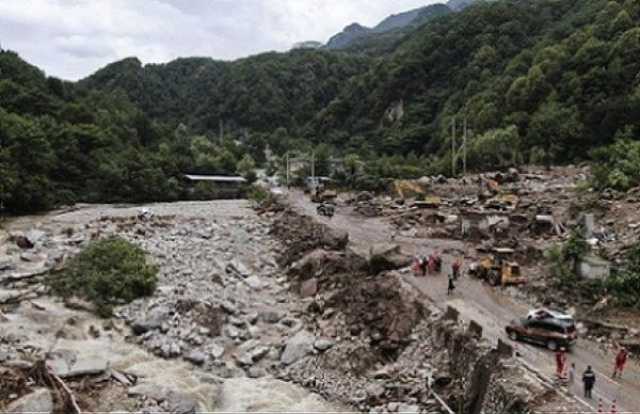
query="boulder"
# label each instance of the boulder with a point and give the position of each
(323, 344)
(39, 400)
(237, 267)
(82, 367)
(332, 239)
(385, 256)
(210, 317)
(297, 347)
(152, 322)
(196, 357)
(309, 288)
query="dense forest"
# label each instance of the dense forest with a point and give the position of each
(541, 81)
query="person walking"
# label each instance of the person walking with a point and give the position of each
(455, 269)
(621, 360)
(451, 287)
(589, 380)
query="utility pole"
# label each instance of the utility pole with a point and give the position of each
(287, 161)
(313, 164)
(464, 147)
(453, 147)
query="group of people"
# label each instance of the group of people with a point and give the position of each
(433, 265)
(588, 376)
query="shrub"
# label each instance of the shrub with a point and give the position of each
(107, 272)
(624, 284)
(618, 165)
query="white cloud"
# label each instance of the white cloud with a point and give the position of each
(73, 38)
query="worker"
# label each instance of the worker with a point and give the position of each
(589, 380)
(437, 262)
(423, 265)
(432, 263)
(451, 287)
(417, 266)
(455, 269)
(561, 362)
(621, 360)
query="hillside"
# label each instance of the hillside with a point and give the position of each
(259, 93)
(539, 81)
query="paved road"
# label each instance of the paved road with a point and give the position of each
(489, 306)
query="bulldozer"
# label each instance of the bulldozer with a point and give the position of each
(497, 270)
(321, 195)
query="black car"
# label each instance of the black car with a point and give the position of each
(552, 333)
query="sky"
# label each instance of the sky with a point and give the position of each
(71, 39)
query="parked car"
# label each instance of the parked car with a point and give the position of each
(550, 332)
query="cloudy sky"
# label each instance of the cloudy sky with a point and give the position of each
(72, 38)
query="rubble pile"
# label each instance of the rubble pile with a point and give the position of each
(376, 347)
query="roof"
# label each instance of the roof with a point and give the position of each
(216, 178)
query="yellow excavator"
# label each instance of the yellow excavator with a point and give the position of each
(497, 270)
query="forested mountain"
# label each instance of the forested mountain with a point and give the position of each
(537, 80)
(259, 93)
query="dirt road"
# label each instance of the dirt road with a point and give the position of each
(488, 306)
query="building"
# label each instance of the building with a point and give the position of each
(213, 187)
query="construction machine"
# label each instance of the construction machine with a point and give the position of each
(498, 270)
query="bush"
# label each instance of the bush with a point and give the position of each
(618, 165)
(624, 284)
(107, 272)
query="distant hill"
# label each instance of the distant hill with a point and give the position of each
(381, 37)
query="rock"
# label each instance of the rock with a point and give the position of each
(271, 316)
(323, 344)
(217, 351)
(254, 282)
(309, 288)
(237, 267)
(77, 303)
(386, 256)
(149, 390)
(210, 317)
(39, 400)
(196, 357)
(408, 408)
(179, 403)
(393, 407)
(256, 372)
(297, 347)
(35, 236)
(21, 240)
(153, 321)
(82, 367)
(375, 391)
(335, 239)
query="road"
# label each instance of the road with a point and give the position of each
(489, 306)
